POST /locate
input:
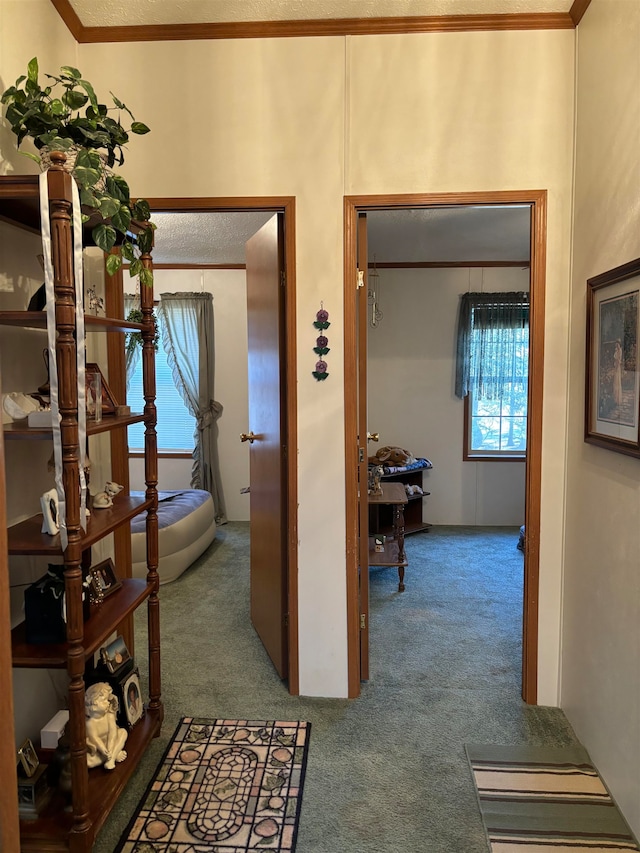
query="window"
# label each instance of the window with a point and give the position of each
(494, 344)
(498, 426)
(176, 426)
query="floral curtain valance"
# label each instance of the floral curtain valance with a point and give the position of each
(487, 349)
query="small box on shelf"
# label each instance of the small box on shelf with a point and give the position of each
(33, 793)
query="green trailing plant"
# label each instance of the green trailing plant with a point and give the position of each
(135, 339)
(67, 116)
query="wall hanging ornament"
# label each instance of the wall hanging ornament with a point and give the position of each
(321, 322)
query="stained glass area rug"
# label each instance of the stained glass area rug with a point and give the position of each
(545, 800)
(223, 786)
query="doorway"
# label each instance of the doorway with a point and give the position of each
(356, 208)
(284, 210)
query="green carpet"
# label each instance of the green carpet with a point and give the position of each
(225, 786)
(537, 799)
(387, 772)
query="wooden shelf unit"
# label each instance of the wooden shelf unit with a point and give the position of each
(95, 791)
(380, 516)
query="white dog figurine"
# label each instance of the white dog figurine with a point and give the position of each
(105, 740)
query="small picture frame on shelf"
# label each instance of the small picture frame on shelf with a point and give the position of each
(28, 758)
(107, 403)
(132, 703)
(115, 655)
(103, 581)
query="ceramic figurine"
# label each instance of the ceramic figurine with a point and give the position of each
(105, 739)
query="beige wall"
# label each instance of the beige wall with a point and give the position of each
(424, 113)
(601, 626)
(268, 117)
(411, 400)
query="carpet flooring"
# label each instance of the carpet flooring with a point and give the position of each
(224, 786)
(387, 772)
(535, 799)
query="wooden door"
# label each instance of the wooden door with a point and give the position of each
(363, 508)
(267, 448)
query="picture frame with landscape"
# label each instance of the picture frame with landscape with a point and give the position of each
(612, 400)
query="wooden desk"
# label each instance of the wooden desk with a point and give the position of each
(393, 495)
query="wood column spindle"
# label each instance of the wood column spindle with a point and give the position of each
(60, 203)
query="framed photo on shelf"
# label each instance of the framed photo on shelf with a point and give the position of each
(28, 758)
(108, 402)
(115, 655)
(612, 401)
(103, 580)
(132, 698)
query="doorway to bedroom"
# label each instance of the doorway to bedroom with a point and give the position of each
(412, 294)
(233, 251)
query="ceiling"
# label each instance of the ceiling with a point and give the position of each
(470, 233)
(163, 12)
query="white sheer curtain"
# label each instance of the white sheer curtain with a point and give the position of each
(186, 321)
(492, 344)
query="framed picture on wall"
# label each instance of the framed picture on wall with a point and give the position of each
(612, 415)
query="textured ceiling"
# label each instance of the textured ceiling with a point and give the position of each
(456, 234)
(147, 12)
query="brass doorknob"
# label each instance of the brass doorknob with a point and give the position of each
(248, 436)
(373, 436)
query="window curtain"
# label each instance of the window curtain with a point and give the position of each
(131, 354)
(188, 340)
(487, 351)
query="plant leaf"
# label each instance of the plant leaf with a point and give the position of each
(120, 105)
(89, 90)
(32, 70)
(88, 159)
(109, 207)
(136, 267)
(139, 127)
(88, 198)
(116, 190)
(145, 240)
(141, 210)
(74, 100)
(146, 278)
(128, 251)
(124, 194)
(31, 156)
(121, 219)
(71, 71)
(86, 177)
(113, 264)
(104, 236)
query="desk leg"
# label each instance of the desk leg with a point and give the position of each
(398, 532)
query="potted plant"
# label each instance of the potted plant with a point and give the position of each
(67, 116)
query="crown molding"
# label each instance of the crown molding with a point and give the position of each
(321, 27)
(577, 10)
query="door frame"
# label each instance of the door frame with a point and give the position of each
(537, 199)
(286, 205)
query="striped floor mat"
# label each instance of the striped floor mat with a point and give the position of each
(545, 800)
